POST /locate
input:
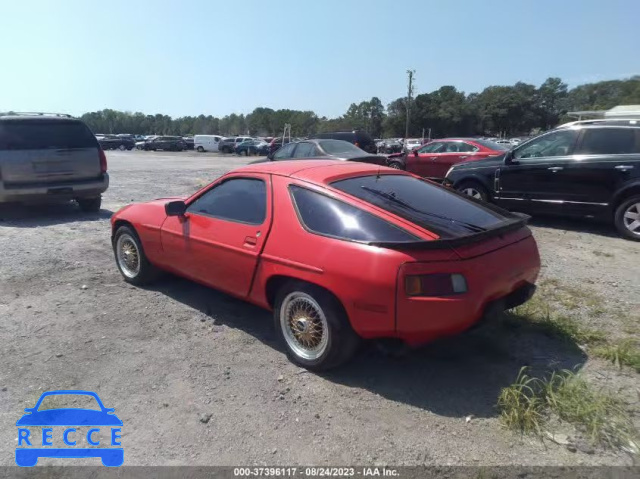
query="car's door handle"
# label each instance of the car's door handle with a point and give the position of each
(555, 168)
(624, 167)
(250, 241)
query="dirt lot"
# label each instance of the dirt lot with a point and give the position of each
(171, 356)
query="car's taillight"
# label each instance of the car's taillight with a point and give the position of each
(103, 161)
(442, 284)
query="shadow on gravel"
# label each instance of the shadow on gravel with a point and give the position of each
(33, 216)
(221, 308)
(455, 377)
(579, 225)
(462, 375)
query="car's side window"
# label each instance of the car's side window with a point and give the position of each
(326, 216)
(285, 152)
(435, 147)
(304, 150)
(609, 141)
(558, 143)
(466, 147)
(242, 200)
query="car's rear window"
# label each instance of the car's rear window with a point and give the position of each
(340, 147)
(45, 135)
(432, 207)
(493, 145)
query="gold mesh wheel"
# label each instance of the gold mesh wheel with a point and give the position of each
(128, 255)
(304, 325)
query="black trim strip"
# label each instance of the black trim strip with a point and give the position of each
(507, 227)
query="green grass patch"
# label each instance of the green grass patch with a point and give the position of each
(537, 314)
(527, 405)
(623, 353)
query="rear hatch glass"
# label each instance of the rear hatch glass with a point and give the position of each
(47, 151)
(431, 207)
(44, 135)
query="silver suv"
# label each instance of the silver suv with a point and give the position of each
(50, 157)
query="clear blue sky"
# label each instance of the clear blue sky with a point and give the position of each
(220, 57)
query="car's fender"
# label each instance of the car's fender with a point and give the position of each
(631, 187)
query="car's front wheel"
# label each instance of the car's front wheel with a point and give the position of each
(474, 189)
(200, 149)
(396, 165)
(314, 327)
(130, 258)
(627, 218)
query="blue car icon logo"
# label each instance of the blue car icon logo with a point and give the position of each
(69, 418)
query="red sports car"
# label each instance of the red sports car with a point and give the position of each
(338, 250)
(434, 159)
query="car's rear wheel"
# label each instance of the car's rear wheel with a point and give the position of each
(396, 165)
(473, 189)
(244, 153)
(314, 327)
(90, 205)
(122, 147)
(200, 149)
(627, 218)
(130, 258)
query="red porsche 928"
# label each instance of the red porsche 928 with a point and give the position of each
(339, 251)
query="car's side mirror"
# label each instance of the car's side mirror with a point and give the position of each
(508, 158)
(175, 208)
(415, 152)
(270, 157)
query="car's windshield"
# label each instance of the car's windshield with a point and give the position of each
(429, 206)
(75, 401)
(340, 147)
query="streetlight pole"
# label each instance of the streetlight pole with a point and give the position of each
(408, 105)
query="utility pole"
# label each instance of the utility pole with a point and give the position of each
(409, 94)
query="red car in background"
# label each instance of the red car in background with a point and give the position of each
(434, 159)
(339, 251)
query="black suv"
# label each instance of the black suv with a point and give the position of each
(171, 143)
(360, 138)
(583, 168)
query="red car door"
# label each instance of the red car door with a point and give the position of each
(455, 151)
(419, 161)
(219, 239)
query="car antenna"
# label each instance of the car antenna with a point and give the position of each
(378, 175)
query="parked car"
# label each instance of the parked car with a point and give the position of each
(391, 146)
(228, 145)
(252, 147)
(413, 143)
(116, 142)
(189, 142)
(277, 142)
(46, 158)
(170, 143)
(325, 149)
(360, 138)
(204, 143)
(436, 157)
(140, 144)
(584, 169)
(355, 251)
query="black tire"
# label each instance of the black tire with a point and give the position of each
(396, 165)
(200, 149)
(630, 206)
(244, 153)
(122, 147)
(480, 192)
(147, 272)
(90, 205)
(342, 341)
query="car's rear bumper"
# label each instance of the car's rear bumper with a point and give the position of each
(111, 457)
(60, 190)
(497, 281)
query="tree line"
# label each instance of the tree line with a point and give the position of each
(519, 109)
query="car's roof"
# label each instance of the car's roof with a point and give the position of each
(37, 118)
(317, 171)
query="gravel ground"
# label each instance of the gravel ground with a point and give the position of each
(198, 378)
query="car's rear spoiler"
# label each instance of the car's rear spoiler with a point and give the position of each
(517, 221)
